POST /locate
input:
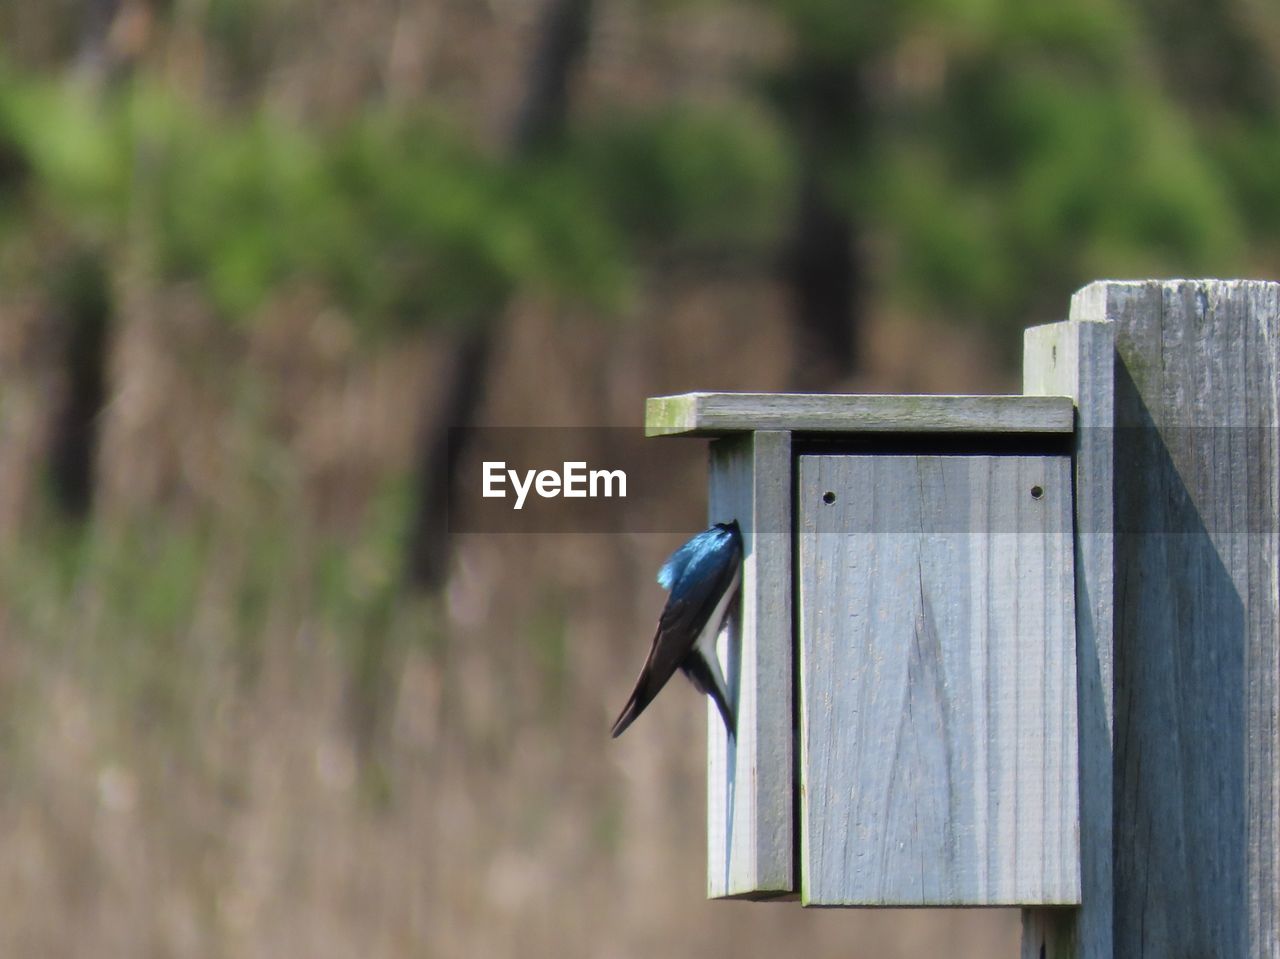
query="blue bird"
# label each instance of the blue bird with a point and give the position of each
(704, 576)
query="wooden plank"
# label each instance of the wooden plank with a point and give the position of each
(1197, 671)
(1077, 359)
(715, 414)
(750, 781)
(937, 676)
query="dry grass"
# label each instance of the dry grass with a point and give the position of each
(228, 734)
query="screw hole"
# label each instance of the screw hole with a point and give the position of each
(1037, 492)
(828, 497)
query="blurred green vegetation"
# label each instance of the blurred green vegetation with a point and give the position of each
(1002, 154)
(393, 215)
(687, 178)
(994, 155)
(210, 189)
(999, 153)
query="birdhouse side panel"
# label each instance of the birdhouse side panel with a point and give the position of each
(751, 779)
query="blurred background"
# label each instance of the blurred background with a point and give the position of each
(256, 261)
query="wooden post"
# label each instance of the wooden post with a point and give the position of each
(1179, 608)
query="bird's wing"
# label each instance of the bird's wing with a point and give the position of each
(690, 604)
(696, 548)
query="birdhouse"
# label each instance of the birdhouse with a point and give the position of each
(903, 661)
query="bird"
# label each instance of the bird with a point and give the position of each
(703, 576)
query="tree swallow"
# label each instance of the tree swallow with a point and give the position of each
(703, 576)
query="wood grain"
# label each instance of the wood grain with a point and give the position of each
(937, 676)
(1197, 617)
(715, 414)
(1077, 358)
(1190, 846)
(750, 781)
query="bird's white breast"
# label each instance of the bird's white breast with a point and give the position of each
(706, 642)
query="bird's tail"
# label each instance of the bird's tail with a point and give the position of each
(640, 698)
(704, 673)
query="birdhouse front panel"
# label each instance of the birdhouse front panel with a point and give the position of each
(936, 657)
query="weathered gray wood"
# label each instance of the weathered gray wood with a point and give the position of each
(937, 680)
(1077, 359)
(750, 781)
(714, 414)
(1197, 596)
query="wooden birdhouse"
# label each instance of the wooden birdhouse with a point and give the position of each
(903, 663)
